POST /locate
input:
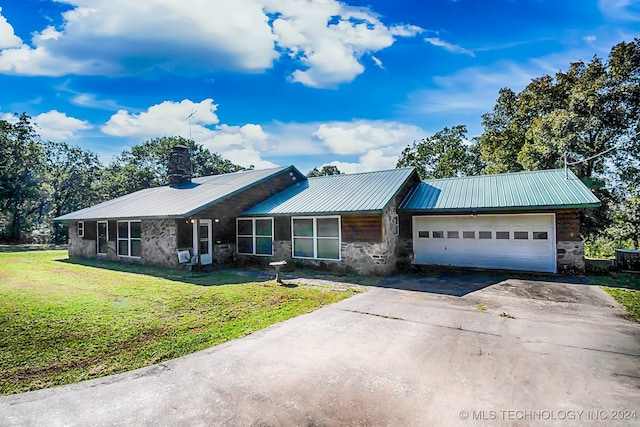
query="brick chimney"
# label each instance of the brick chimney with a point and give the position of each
(179, 165)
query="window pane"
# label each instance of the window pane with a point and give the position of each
(102, 230)
(502, 235)
(540, 235)
(328, 227)
(263, 227)
(245, 245)
(423, 234)
(303, 227)
(438, 234)
(328, 248)
(123, 230)
(468, 234)
(204, 246)
(521, 235)
(136, 248)
(484, 235)
(135, 230)
(204, 232)
(303, 248)
(123, 247)
(453, 235)
(245, 227)
(81, 229)
(263, 245)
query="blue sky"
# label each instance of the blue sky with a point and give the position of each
(279, 82)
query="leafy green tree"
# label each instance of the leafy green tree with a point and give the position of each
(324, 171)
(445, 154)
(70, 182)
(146, 165)
(626, 220)
(22, 168)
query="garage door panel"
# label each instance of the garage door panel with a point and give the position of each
(526, 253)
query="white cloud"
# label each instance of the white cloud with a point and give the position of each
(7, 35)
(360, 137)
(240, 144)
(54, 125)
(326, 38)
(372, 161)
(449, 47)
(165, 119)
(621, 10)
(590, 38)
(247, 157)
(329, 38)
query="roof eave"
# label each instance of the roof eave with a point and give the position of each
(502, 208)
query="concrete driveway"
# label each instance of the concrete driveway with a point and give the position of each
(516, 352)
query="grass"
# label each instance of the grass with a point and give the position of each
(625, 288)
(62, 322)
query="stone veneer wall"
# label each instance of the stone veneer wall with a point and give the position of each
(570, 257)
(79, 247)
(224, 253)
(159, 242)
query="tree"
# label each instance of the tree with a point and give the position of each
(21, 173)
(626, 220)
(445, 154)
(146, 165)
(70, 182)
(326, 170)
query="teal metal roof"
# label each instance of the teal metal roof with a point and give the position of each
(361, 192)
(511, 191)
(182, 200)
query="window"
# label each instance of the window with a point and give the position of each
(438, 234)
(453, 235)
(423, 234)
(502, 235)
(80, 228)
(395, 225)
(468, 234)
(255, 236)
(484, 234)
(521, 235)
(316, 237)
(103, 237)
(129, 239)
(540, 235)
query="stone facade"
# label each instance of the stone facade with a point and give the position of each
(224, 253)
(159, 242)
(570, 257)
(79, 247)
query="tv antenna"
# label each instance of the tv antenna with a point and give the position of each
(189, 117)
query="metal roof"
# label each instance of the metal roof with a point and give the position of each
(511, 191)
(180, 201)
(361, 192)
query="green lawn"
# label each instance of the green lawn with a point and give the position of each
(63, 322)
(625, 288)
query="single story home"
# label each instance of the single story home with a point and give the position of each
(370, 223)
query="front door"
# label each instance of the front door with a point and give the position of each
(202, 240)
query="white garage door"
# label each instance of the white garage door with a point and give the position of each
(512, 242)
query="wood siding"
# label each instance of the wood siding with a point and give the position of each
(568, 226)
(362, 228)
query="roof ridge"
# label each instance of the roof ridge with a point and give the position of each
(494, 175)
(363, 173)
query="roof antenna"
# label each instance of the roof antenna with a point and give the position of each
(189, 117)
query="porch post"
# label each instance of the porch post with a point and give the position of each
(198, 242)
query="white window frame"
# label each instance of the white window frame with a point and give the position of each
(253, 235)
(106, 223)
(315, 237)
(129, 239)
(396, 225)
(80, 228)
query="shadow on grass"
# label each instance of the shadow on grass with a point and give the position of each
(34, 247)
(629, 281)
(213, 276)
